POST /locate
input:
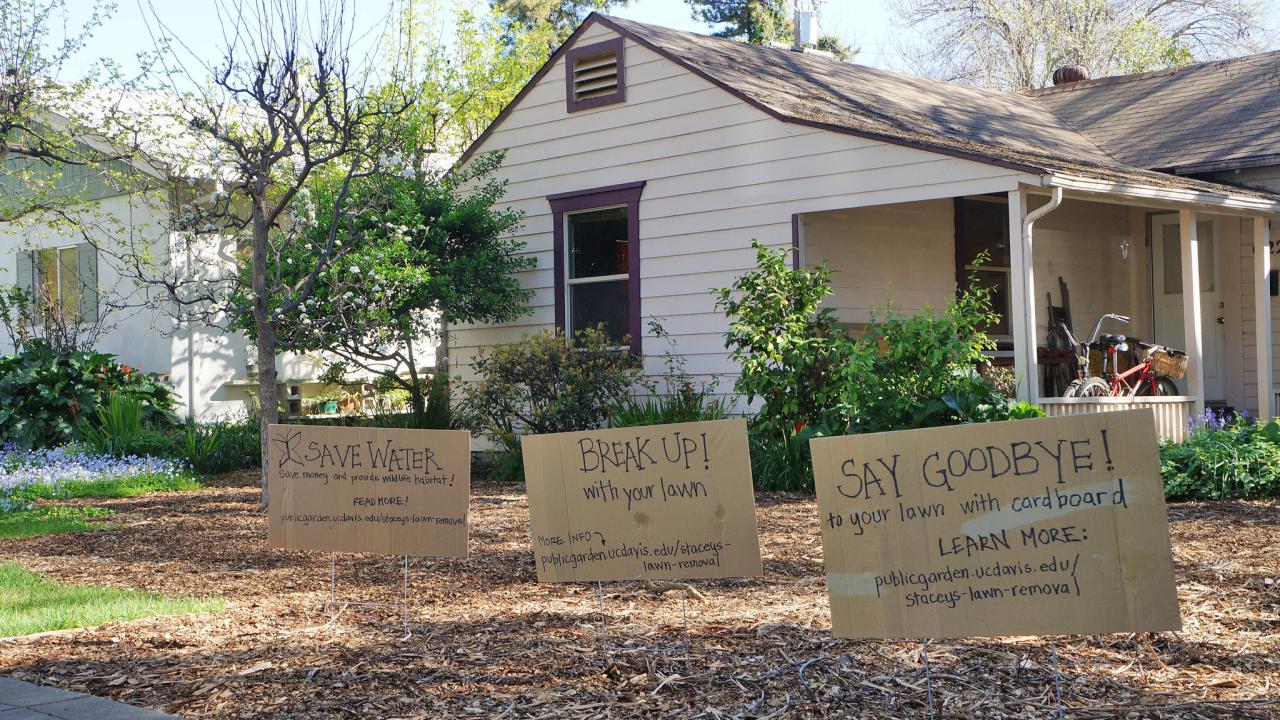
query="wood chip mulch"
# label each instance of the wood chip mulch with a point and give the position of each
(489, 641)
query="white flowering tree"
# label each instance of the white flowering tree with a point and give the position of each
(286, 102)
(416, 256)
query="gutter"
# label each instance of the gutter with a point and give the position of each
(1241, 204)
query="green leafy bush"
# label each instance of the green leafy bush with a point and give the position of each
(904, 372)
(1223, 458)
(117, 428)
(792, 354)
(679, 399)
(922, 370)
(43, 394)
(544, 383)
(221, 446)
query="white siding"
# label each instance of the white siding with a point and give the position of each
(206, 366)
(719, 173)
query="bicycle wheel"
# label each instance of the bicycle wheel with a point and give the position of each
(1092, 387)
(1166, 387)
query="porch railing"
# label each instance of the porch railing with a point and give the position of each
(1171, 413)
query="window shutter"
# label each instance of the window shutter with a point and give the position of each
(87, 273)
(26, 272)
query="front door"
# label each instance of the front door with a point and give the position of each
(1166, 285)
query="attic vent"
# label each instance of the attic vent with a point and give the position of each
(595, 75)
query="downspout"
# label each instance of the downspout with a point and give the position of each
(1055, 199)
(1032, 360)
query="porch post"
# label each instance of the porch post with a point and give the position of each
(1262, 314)
(1192, 329)
(1022, 324)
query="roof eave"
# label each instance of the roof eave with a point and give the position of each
(1221, 201)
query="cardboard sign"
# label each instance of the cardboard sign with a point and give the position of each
(1050, 526)
(389, 491)
(658, 502)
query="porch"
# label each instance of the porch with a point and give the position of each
(1072, 255)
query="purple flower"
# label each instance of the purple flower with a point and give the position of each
(53, 467)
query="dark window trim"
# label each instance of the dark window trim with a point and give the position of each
(617, 46)
(795, 241)
(962, 272)
(627, 194)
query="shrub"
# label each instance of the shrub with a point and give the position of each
(922, 370)
(793, 355)
(1223, 458)
(118, 429)
(544, 383)
(679, 399)
(904, 372)
(221, 446)
(43, 394)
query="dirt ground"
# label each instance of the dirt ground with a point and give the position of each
(488, 641)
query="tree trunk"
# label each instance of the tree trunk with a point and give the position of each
(416, 399)
(265, 333)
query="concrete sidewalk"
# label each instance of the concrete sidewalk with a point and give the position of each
(24, 701)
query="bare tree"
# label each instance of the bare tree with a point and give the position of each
(47, 126)
(1017, 44)
(285, 103)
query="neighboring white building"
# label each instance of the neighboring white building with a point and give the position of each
(210, 370)
(646, 160)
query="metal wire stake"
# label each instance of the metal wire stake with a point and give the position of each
(684, 610)
(333, 575)
(405, 598)
(928, 677)
(1057, 677)
(604, 644)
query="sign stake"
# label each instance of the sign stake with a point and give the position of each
(608, 650)
(403, 605)
(604, 638)
(928, 677)
(1057, 677)
(684, 610)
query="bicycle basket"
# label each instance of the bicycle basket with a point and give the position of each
(1169, 363)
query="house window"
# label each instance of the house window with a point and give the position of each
(62, 280)
(595, 75)
(597, 261)
(982, 226)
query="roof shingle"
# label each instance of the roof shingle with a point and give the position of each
(1003, 128)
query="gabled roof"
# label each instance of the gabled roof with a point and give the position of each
(1201, 117)
(987, 126)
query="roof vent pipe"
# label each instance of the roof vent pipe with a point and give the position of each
(1070, 74)
(805, 29)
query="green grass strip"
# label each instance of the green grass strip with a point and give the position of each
(51, 520)
(113, 488)
(31, 603)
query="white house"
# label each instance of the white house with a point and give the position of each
(647, 159)
(211, 370)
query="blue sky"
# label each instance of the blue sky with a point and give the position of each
(865, 24)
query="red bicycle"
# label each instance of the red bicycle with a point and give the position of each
(1152, 375)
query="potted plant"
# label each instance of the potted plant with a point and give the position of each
(324, 404)
(349, 401)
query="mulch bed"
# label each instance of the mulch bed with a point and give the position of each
(489, 641)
